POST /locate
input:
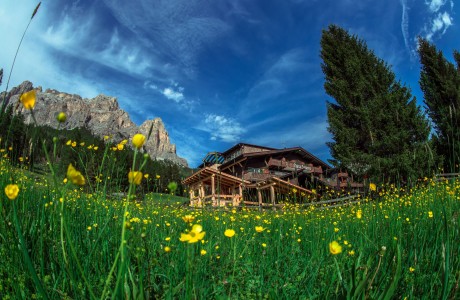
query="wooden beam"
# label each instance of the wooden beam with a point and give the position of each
(213, 188)
(272, 194)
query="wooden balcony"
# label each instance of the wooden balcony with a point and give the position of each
(293, 166)
(250, 176)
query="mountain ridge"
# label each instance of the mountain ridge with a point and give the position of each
(102, 115)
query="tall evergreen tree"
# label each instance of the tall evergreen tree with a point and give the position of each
(440, 83)
(376, 126)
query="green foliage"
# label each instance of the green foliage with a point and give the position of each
(377, 128)
(27, 151)
(440, 83)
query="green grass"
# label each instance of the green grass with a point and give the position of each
(395, 250)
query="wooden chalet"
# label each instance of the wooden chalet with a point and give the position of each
(261, 176)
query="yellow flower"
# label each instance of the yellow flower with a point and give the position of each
(61, 117)
(167, 249)
(146, 176)
(194, 235)
(12, 191)
(430, 214)
(75, 176)
(359, 214)
(229, 233)
(120, 146)
(203, 252)
(138, 140)
(69, 142)
(74, 144)
(135, 177)
(28, 99)
(259, 228)
(335, 248)
(351, 253)
(188, 218)
(264, 245)
(411, 269)
(372, 187)
(157, 176)
(124, 142)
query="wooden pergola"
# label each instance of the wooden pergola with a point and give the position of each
(275, 185)
(211, 185)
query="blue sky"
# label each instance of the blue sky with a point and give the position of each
(217, 72)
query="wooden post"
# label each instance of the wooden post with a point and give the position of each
(259, 196)
(213, 188)
(272, 195)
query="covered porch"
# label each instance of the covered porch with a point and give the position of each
(210, 186)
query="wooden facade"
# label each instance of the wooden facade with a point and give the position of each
(262, 173)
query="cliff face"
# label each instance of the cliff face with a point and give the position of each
(101, 115)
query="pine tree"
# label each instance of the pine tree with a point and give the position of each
(440, 83)
(376, 126)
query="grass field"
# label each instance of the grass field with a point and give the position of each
(59, 242)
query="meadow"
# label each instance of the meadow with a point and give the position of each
(62, 240)
(67, 237)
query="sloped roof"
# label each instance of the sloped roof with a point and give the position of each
(245, 144)
(298, 150)
(207, 172)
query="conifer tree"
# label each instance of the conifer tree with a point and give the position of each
(440, 83)
(376, 126)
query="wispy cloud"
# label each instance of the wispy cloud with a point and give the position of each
(171, 94)
(176, 31)
(439, 19)
(435, 5)
(222, 128)
(291, 72)
(439, 25)
(311, 134)
(405, 29)
(175, 93)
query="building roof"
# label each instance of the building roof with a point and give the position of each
(207, 172)
(298, 150)
(245, 144)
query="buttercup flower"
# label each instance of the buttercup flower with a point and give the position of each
(335, 248)
(372, 187)
(188, 218)
(259, 228)
(138, 140)
(229, 233)
(28, 99)
(12, 191)
(359, 214)
(135, 177)
(194, 235)
(75, 176)
(61, 117)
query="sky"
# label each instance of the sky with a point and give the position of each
(217, 72)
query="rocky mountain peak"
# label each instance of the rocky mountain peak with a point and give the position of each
(102, 115)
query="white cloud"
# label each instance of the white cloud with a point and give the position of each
(171, 94)
(435, 5)
(439, 25)
(222, 128)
